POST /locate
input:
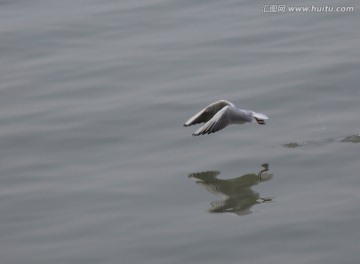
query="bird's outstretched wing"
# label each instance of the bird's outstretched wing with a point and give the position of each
(208, 112)
(219, 121)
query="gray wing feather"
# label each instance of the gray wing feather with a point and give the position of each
(207, 113)
(219, 121)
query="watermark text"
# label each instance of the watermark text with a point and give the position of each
(306, 9)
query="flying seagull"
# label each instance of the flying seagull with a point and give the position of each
(220, 114)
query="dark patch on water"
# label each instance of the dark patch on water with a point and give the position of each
(352, 139)
(293, 145)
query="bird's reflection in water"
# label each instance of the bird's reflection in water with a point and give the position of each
(239, 195)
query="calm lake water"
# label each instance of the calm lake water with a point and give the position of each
(96, 166)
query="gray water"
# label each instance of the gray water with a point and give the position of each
(96, 166)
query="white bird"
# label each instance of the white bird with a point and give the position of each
(220, 114)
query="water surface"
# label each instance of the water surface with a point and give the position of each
(96, 166)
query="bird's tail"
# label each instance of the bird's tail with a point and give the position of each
(260, 118)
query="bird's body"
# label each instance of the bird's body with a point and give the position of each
(220, 114)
